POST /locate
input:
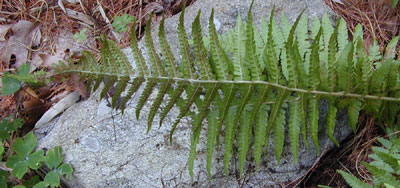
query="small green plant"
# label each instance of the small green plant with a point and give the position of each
(120, 23)
(24, 157)
(394, 3)
(385, 167)
(13, 82)
(80, 37)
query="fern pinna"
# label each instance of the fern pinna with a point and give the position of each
(243, 83)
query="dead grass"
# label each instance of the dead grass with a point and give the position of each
(378, 18)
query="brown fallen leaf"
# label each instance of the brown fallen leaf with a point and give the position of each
(22, 37)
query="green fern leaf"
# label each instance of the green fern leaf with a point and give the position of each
(137, 53)
(275, 112)
(342, 36)
(285, 25)
(187, 64)
(169, 59)
(315, 76)
(246, 93)
(294, 128)
(109, 82)
(353, 181)
(279, 134)
(316, 26)
(358, 33)
(327, 30)
(251, 58)
(158, 69)
(345, 68)
(366, 70)
(217, 52)
(211, 137)
(381, 176)
(230, 130)
(303, 103)
(244, 134)
(193, 95)
(332, 63)
(200, 51)
(176, 94)
(374, 53)
(391, 48)
(240, 70)
(314, 116)
(389, 159)
(353, 110)
(270, 55)
(229, 92)
(151, 83)
(303, 38)
(196, 128)
(137, 82)
(157, 102)
(259, 132)
(192, 154)
(291, 62)
(331, 121)
(122, 83)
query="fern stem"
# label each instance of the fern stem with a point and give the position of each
(326, 93)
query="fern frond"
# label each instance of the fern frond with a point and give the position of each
(365, 65)
(211, 137)
(274, 117)
(244, 137)
(137, 53)
(229, 92)
(270, 55)
(345, 68)
(158, 69)
(169, 59)
(200, 51)
(240, 71)
(121, 85)
(342, 36)
(259, 132)
(331, 120)
(391, 48)
(290, 60)
(230, 131)
(144, 96)
(303, 38)
(279, 134)
(314, 117)
(157, 102)
(176, 94)
(249, 72)
(303, 104)
(251, 58)
(353, 181)
(294, 128)
(381, 176)
(353, 110)
(187, 64)
(218, 53)
(137, 82)
(193, 95)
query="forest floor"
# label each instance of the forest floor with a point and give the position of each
(54, 18)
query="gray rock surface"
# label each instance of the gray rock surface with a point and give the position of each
(108, 149)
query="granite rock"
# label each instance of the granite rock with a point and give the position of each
(110, 149)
